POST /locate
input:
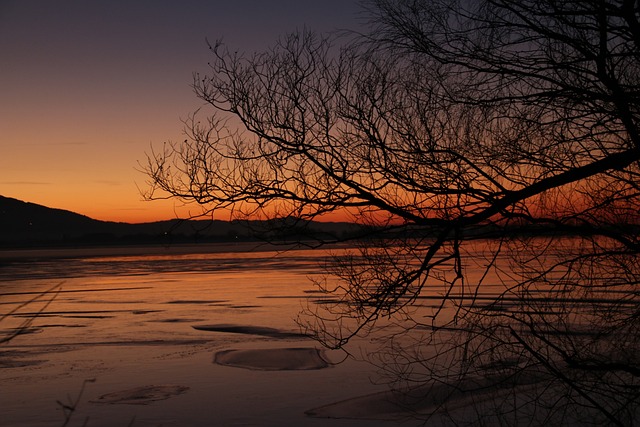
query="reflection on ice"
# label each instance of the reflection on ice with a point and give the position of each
(147, 327)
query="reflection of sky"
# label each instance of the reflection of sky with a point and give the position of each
(87, 87)
(136, 329)
(169, 259)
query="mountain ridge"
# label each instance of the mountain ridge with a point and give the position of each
(26, 224)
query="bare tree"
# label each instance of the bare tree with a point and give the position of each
(451, 121)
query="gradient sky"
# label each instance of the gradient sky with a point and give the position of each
(86, 87)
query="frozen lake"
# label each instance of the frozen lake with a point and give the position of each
(207, 335)
(125, 322)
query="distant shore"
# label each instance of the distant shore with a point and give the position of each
(139, 250)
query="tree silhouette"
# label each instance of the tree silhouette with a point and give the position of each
(495, 147)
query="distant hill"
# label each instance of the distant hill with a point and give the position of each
(24, 224)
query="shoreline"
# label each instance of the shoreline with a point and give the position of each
(26, 254)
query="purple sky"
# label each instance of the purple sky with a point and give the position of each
(86, 87)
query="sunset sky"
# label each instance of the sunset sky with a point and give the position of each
(87, 87)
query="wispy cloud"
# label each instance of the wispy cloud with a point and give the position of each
(48, 143)
(25, 183)
(109, 183)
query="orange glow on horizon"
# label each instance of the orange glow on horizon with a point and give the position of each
(134, 210)
(79, 113)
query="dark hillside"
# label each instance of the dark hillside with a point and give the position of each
(24, 224)
(23, 221)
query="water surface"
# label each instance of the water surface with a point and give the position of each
(95, 326)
